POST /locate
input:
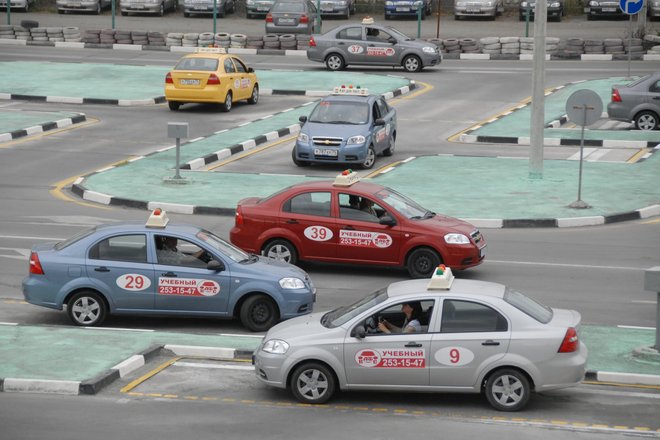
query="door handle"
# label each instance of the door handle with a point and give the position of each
(169, 274)
(412, 345)
(292, 222)
(101, 269)
(348, 228)
(490, 342)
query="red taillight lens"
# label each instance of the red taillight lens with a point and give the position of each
(615, 96)
(35, 264)
(239, 216)
(269, 18)
(213, 80)
(304, 19)
(570, 342)
(168, 78)
(312, 43)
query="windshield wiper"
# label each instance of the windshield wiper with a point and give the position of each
(429, 214)
(250, 259)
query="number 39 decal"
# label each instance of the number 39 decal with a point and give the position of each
(318, 233)
(454, 356)
(133, 281)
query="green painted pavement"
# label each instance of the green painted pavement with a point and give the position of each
(12, 120)
(77, 354)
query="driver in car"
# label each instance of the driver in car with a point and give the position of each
(411, 324)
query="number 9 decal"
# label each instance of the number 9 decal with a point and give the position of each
(133, 282)
(318, 233)
(454, 356)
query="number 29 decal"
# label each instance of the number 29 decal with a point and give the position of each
(454, 356)
(318, 233)
(133, 281)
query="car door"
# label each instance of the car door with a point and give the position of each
(384, 360)
(361, 236)
(118, 264)
(244, 89)
(381, 47)
(350, 44)
(653, 96)
(184, 284)
(470, 336)
(308, 215)
(382, 133)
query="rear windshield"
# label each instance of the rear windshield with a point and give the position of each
(528, 305)
(204, 64)
(79, 236)
(288, 7)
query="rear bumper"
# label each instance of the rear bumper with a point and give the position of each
(618, 112)
(208, 94)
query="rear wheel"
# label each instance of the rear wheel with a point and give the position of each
(259, 313)
(508, 390)
(226, 105)
(86, 308)
(313, 383)
(174, 106)
(334, 61)
(254, 98)
(422, 262)
(646, 121)
(281, 250)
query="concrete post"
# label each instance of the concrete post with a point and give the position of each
(652, 284)
(538, 92)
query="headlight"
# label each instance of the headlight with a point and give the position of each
(419, 3)
(461, 4)
(303, 138)
(490, 3)
(292, 283)
(343, 3)
(456, 239)
(355, 140)
(523, 4)
(249, 2)
(428, 49)
(389, 3)
(593, 3)
(555, 4)
(275, 346)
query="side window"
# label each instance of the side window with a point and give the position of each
(403, 317)
(375, 111)
(240, 67)
(383, 108)
(351, 33)
(121, 248)
(178, 252)
(354, 207)
(311, 203)
(655, 88)
(229, 66)
(468, 317)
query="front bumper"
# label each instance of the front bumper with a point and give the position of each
(151, 8)
(77, 6)
(394, 11)
(345, 153)
(475, 11)
(604, 11)
(552, 12)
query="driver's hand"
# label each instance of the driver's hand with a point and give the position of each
(382, 327)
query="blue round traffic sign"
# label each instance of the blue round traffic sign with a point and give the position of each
(631, 7)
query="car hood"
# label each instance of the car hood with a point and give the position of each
(335, 130)
(296, 328)
(449, 224)
(268, 265)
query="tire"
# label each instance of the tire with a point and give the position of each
(370, 160)
(281, 250)
(59, 11)
(412, 63)
(86, 308)
(422, 262)
(124, 13)
(254, 98)
(186, 14)
(98, 9)
(508, 390)
(313, 383)
(300, 163)
(259, 313)
(161, 12)
(335, 62)
(174, 106)
(390, 149)
(226, 105)
(646, 120)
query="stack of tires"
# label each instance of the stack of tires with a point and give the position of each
(156, 38)
(190, 39)
(71, 34)
(302, 41)
(613, 46)
(206, 39)
(91, 36)
(593, 46)
(634, 46)
(22, 33)
(452, 45)
(55, 34)
(491, 45)
(107, 36)
(123, 37)
(174, 39)
(238, 41)
(468, 45)
(222, 39)
(139, 37)
(271, 41)
(510, 45)
(254, 42)
(572, 48)
(288, 41)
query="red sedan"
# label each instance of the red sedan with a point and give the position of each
(349, 221)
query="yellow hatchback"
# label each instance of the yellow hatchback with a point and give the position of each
(211, 75)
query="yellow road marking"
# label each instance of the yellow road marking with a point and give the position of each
(635, 157)
(381, 169)
(625, 385)
(150, 374)
(253, 151)
(29, 138)
(650, 222)
(427, 88)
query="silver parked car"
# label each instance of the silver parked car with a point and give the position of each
(637, 102)
(478, 8)
(257, 7)
(293, 17)
(95, 6)
(223, 7)
(371, 44)
(17, 5)
(470, 337)
(157, 7)
(341, 8)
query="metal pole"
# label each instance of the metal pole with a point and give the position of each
(538, 93)
(529, 8)
(419, 21)
(579, 198)
(437, 26)
(318, 15)
(8, 11)
(113, 13)
(178, 156)
(629, 44)
(215, 17)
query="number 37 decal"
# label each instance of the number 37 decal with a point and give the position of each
(454, 356)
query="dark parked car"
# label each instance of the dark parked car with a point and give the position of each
(407, 8)
(555, 9)
(603, 8)
(637, 102)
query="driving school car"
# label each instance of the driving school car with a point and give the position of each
(125, 269)
(350, 127)
(327, 221)
(367, 43)
(475, 337)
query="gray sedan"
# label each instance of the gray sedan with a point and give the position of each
(637, 102)
(374, 45)
(292, 17)
(466, 336)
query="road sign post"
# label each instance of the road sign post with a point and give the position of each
(177, 130)
(630, 7)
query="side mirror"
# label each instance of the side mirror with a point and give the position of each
(387, 220)
(215, 266)
(303, 119)
(379, 121)
(250, 70)
(359, 332)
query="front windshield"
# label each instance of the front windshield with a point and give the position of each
(342, 315)
(397, 34)
(403, 204)
(340, 112)
(222, 246)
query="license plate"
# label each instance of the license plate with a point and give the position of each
(402, 9)
(263, 8)
(482, 252)
(609, 9)
(200, 8)
(73, 5)
(477, 10)
(189, 82)
(325, 152)
(330, 9)
(286, 21)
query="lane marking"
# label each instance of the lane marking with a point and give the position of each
(581, 266)
(213, 366)
(150, 374)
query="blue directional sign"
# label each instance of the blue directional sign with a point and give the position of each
(631, 7)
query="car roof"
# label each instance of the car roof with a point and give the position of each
(353, 98)
(209, 55)
(459, 287)
(361, 186)
(141, 227)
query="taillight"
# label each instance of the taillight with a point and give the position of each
(213, 80)
(239, 216)
(570, 342)
(35, 264)
(269, 18)
(168, 78)
(615, 96)
(304, 19)
(312, 43)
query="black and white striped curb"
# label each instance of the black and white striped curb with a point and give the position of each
(303, 53)
(77, 100)
(60, 123)
(94, 385)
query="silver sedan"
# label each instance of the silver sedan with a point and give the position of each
(470, 337)
(637, 102)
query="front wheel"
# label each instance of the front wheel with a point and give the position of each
(86, 308)
(412, 63)
(313, 383)
(254, 98)
(298, 162)
(646, 121)
(422, 262)
(508, 390)
(370, 160)
(226, 105)
(259, 313)
(335, 62)
(281, 250)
